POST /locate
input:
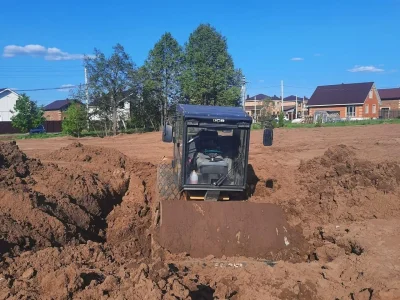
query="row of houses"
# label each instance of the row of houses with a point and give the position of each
(355, 101)
(293, 106)
(55, 111)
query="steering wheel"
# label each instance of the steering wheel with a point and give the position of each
(212, 154)
(209, 151)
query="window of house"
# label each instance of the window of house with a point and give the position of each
(370, 94)
(351, 111)
(367, 108)
(373, 108)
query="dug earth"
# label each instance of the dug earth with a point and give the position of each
(76, 221)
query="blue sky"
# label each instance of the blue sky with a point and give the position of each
(303, 43)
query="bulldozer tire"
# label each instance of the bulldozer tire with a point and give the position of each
(167, 185)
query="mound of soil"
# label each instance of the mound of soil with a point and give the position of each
(341, 187)
(44, 205)
(77, 225)
(129, 221)
(76, 152)
(86, 272)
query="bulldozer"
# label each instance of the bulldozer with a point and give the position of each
(203, 191)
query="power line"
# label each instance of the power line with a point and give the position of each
(49, 89)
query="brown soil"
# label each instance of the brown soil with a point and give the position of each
(75, 222)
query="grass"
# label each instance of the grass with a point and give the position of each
(37, 136)
(288, 124)
(345, 123)
(53, 135)
(254, 126)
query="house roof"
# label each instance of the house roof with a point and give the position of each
(260, 97)
(257, 97)
(293, 98)
(57, 105)
(389, 94)
(7, 89)
(340, 94)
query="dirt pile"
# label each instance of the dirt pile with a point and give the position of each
(76, 225)
(44, 205)
(86, 272)
(128, 223)
(341, 187)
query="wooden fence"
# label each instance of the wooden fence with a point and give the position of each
(50, 126)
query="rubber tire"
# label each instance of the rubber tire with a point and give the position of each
(167, 187)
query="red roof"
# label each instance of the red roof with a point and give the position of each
(389, 94)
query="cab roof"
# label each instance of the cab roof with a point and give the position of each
(211, 112)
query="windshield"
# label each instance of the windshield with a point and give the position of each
(215, 156)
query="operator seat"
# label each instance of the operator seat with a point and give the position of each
(210, 170)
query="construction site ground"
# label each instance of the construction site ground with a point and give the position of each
(76, 215)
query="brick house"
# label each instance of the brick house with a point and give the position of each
(353, 100)
(254, 104)
(390, 107)
(55, 111)
(289, 106)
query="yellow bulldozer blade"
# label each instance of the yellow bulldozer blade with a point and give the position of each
(230, 228)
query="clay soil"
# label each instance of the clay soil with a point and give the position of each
(76, 215)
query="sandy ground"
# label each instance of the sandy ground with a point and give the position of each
(75, 219)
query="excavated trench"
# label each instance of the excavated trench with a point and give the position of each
(78, 225)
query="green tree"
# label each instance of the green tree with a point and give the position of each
(75, 120)
(266, 119)
(281, 119)
(209, 76)
(27, 114)
(162, 70)
(109, 79)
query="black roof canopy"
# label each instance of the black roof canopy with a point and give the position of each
(214, 112)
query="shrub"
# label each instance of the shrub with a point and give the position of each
(281, 120)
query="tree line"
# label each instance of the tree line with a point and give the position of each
(199, 72)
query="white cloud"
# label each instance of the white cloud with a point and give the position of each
(40, 51)
(66, 87)
(261, 80)
(317, 54)
(365, 69)
(297, 59)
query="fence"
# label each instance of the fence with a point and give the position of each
(50, 126)
(389, 114)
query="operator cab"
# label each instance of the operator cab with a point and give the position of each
(211, 147)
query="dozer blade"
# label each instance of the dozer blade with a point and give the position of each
(229, 228)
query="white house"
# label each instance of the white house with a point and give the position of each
(123, 114)
(8, 98)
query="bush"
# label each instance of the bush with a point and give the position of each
(256, 126)
(281, 120)
(75, 121)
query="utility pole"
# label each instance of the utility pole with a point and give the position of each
(296, 108)
(255, 109)
(244, 93)
(282, 94)
(87, 97)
